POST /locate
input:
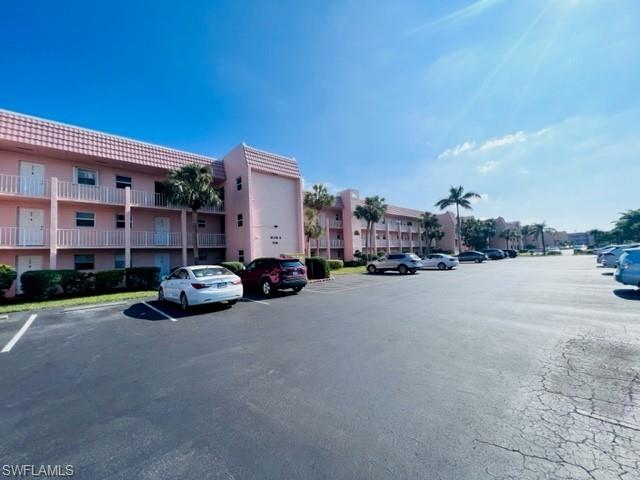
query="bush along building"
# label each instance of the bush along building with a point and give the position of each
(77, 199)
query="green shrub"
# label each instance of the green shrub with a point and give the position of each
(142, 278)
(335, 264)
(317, 267)
(233, 266)
(40, 283)
(73, 282)
(355, 263)
(108, 280)
(554, 252)
(7, 276)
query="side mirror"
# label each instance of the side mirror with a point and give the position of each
(165, 277)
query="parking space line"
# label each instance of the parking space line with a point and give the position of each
(167, 316)
(7, 348)
(93, 307)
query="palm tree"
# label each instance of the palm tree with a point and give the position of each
(539, 229)
(595, 234)
(488, 229)
(525, 232)
(459, 198)
(371, 211)
(432, 229)
(314, 201)
(507, 235)
(312, 228)
(191, 186)
(514, 236)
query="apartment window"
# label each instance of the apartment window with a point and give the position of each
(84, 176)
(409, 224)
(239, 220)
(122, 181)
(241, 256)
(85, 219)
(120, 221)
(238, 183)
(202, 223)
(338, 217)
(118, 260)
(84, 262)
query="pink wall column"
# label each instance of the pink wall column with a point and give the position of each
(388, 239)
(410, 238)
(53, 224)
(327, 235)
(183, 230)
(127, 227)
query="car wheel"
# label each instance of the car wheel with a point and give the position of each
(297, 289)
(403, 269)
(372, 269)
(184, 302)
(161, 295)
(232, 302)
(442, 266)
(266, 288)
(412, 272)
(477, 260)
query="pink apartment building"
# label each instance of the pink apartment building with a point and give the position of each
(76, 198)
(400, 230)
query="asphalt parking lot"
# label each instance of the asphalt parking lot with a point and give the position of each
(524, 368)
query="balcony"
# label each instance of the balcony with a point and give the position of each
(77, 238)
(319, 243)
(13, 237)
(335, 243)
(24, 186)
(335, 224)
(141, 198)
(208, 240)
(90, 193)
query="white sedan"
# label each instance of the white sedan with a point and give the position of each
(440, 261)
(201, 284)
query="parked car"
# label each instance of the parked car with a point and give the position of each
(200, 284)
(400, 262)
(493, 253)
(472, 256)
(610, 257)
(270, 274)
(601, 252)
(628, 271)
(439, 261)
(510, 252)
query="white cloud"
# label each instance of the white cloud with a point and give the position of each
(489, 166)
(457, 150)
(517, 137)
(484, 198)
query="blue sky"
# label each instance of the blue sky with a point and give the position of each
(534, 104)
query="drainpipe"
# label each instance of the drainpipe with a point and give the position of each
(53, 225)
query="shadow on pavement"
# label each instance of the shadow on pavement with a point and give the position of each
(607, 274)
(139, 311)
(255, 296)
(627, 293)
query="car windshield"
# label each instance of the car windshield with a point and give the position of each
(291, 263)
(414, 257)
(210, 272)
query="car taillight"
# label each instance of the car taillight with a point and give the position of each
(199, 286)
(624, 266)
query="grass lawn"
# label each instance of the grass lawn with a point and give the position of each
(71, 302)
(349, 270)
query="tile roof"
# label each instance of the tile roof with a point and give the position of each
(397, 211)
(45, 133)
(270, 162)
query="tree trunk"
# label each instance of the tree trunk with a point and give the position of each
(196, 254)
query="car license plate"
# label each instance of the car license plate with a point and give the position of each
(222, 284)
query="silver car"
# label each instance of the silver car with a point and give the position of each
(628, 270)
(400, 262)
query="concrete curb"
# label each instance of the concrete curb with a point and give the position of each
(321, 280)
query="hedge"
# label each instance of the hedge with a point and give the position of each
(233, 266)
(355, 263)
(49, 283)
(335, 264)
(317, 267)
(7, 276)
(109, 280)
(142, 278)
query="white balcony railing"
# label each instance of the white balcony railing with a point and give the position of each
(89, 238)
(27, 186)
(319, 243)
(156, 239)
(335, 243)
(207, 240)
(335, 224)
(90, 193)
(23, 237)
(141, 198)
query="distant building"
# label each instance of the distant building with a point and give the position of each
(580, 238)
